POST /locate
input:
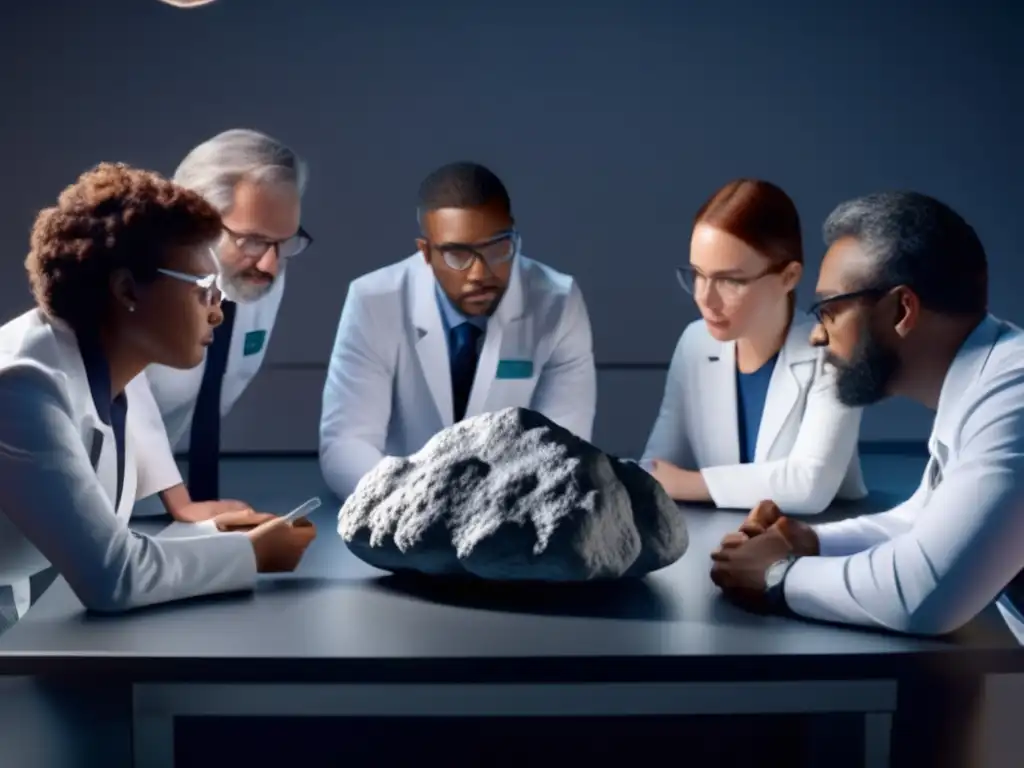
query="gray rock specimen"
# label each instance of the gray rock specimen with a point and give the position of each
(512, 496)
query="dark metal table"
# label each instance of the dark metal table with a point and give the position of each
(338, 638)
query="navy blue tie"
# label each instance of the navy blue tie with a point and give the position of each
(1015, 591)
(463, 362)
(204, 443)
(8, 613)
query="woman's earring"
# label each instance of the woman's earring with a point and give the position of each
(131, 307)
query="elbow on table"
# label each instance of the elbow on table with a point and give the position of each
(106, 596)
(928, 622)
(808, 490)
(803, 506)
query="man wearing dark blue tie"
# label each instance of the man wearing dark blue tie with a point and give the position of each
(256, 183)
(466, 325)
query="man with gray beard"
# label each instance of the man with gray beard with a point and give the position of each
(256, 183)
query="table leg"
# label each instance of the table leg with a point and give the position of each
(46, 724)
(152, 740)
(877, 739)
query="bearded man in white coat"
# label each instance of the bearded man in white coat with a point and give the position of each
(256, 183)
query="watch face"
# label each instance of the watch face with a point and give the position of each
(775, 573)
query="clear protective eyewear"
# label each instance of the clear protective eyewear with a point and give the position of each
(494, 252)
(211, 293)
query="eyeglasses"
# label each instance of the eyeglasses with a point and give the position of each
(821, 310)
(254, 246)
(493, 252)
(211, 294)
(730, 288)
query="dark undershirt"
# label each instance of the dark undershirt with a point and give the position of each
(113, 411)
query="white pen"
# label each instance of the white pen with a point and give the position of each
(303, 509)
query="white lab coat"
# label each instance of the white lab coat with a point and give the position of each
(58, 478)
(389, 390)
(806, 450)
(936, 561)
(176, 391)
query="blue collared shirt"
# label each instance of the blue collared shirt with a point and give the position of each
(452, 317)
(113, 411)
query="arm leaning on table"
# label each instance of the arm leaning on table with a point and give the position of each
(566, 389)
(952, 550)
(50, 492)
(356, 399)
(669, 440)
(806, 481)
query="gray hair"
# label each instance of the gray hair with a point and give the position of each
(920, 242)
(214, 168)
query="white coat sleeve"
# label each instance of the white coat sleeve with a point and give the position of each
(669, 439)
(49, 490)
(855, 534)
(806, 481)
(356, 404)
(961, 550)
(566, 389)
(154, 458)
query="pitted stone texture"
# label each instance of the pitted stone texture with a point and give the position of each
(512, 496)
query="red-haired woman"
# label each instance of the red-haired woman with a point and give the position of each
(749, 411)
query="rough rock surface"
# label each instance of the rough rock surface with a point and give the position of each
(511, 495)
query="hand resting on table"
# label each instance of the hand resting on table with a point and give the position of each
(278, 543)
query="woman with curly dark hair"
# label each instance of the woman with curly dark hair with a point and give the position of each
(123, 277)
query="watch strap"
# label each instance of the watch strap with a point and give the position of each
(776, 591)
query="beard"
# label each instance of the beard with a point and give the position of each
(865, 379)
(245, 287)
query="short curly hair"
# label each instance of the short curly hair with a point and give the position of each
(113, 217)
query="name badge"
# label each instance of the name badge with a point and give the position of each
(515, 369)
(253, 343)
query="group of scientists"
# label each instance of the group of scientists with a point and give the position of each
(156, 301)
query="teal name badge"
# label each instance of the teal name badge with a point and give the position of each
(254, 341)
(515, 369)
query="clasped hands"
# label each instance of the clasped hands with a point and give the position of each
(765, 537)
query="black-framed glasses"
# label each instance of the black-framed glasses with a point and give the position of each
(255, 246)
(493, 252)
(820, 309)
(211, 294)
(729, 287)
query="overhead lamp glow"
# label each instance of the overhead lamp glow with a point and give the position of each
(186, 3)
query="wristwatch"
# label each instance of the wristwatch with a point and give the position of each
(775, 581)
